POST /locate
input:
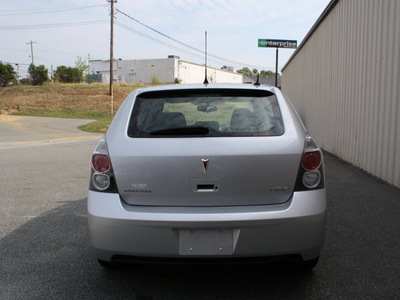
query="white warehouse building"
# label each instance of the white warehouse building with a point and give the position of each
(168, 70)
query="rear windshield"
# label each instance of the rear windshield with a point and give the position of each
(205, 113)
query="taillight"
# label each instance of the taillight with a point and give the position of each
(311, 173)
(311, 160)
(312, 179)
(101, 162)
(101, 181)
(102, 177)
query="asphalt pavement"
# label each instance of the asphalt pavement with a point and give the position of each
(44, 163)
(45, 253)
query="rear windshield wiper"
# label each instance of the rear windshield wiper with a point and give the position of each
(189, 130)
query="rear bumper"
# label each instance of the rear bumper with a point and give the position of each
(294, 228)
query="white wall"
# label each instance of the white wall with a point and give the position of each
(159, 69)
(193, 73)
(344, 82)
(100, 66)
(135, 71)
(165, 70)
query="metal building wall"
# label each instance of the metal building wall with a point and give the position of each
(344, 82)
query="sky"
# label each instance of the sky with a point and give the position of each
(62, 31)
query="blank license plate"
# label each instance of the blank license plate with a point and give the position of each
(206, 242)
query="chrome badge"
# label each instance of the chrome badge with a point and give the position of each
(205, 163)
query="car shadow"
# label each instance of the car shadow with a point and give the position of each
(50, 257)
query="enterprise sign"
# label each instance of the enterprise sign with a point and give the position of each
(277, 43)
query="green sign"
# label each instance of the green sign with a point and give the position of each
(277, 43)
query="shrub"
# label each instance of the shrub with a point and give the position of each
(68, 74)
(155, 80)
(25, 81)
(7, 74)
(39, 74)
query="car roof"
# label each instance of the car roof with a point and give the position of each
(205, 86)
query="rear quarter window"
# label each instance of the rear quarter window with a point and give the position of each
(205, 113)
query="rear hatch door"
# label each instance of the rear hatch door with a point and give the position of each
(217, 172)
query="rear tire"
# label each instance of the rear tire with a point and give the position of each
(307, 265)
(107, 264)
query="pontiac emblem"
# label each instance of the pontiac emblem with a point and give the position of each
(205, 163)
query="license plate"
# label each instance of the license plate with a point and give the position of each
(206, 242)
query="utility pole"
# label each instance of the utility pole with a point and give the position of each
(112, 54)
(33, 61)
(88, 62)
(17, 73)
(276, 68)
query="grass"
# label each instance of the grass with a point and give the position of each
(73, 101)
(100, 126)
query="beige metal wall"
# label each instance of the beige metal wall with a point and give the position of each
(344, 82)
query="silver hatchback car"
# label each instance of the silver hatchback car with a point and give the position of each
(207, 171)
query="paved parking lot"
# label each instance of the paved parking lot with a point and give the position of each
(44, 250)
(44, 163)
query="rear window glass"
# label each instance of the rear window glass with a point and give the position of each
(205, 113)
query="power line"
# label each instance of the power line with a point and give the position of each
(198, 55)
(155, 30)
(57, 50)
(13, 63)
(53, 25)
(219, 58)
(197, 52)
(47, 61)
(33, 12)
(154, 39)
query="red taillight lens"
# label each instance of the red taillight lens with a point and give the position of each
(311, 172)
(311, 160)
(101, 162)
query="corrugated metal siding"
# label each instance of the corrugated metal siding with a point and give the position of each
(344, 83)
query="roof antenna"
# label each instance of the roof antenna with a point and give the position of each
(205, 78)
(257, 83)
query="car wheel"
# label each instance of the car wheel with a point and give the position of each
(307, 265)
(107, 264)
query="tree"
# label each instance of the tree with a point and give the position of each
(7, 74)
(81, 65)
(263, 73)
(68, 74)
(39, 74)
(267, 74)
(71, 74)
(245, 71)
(61, 74)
